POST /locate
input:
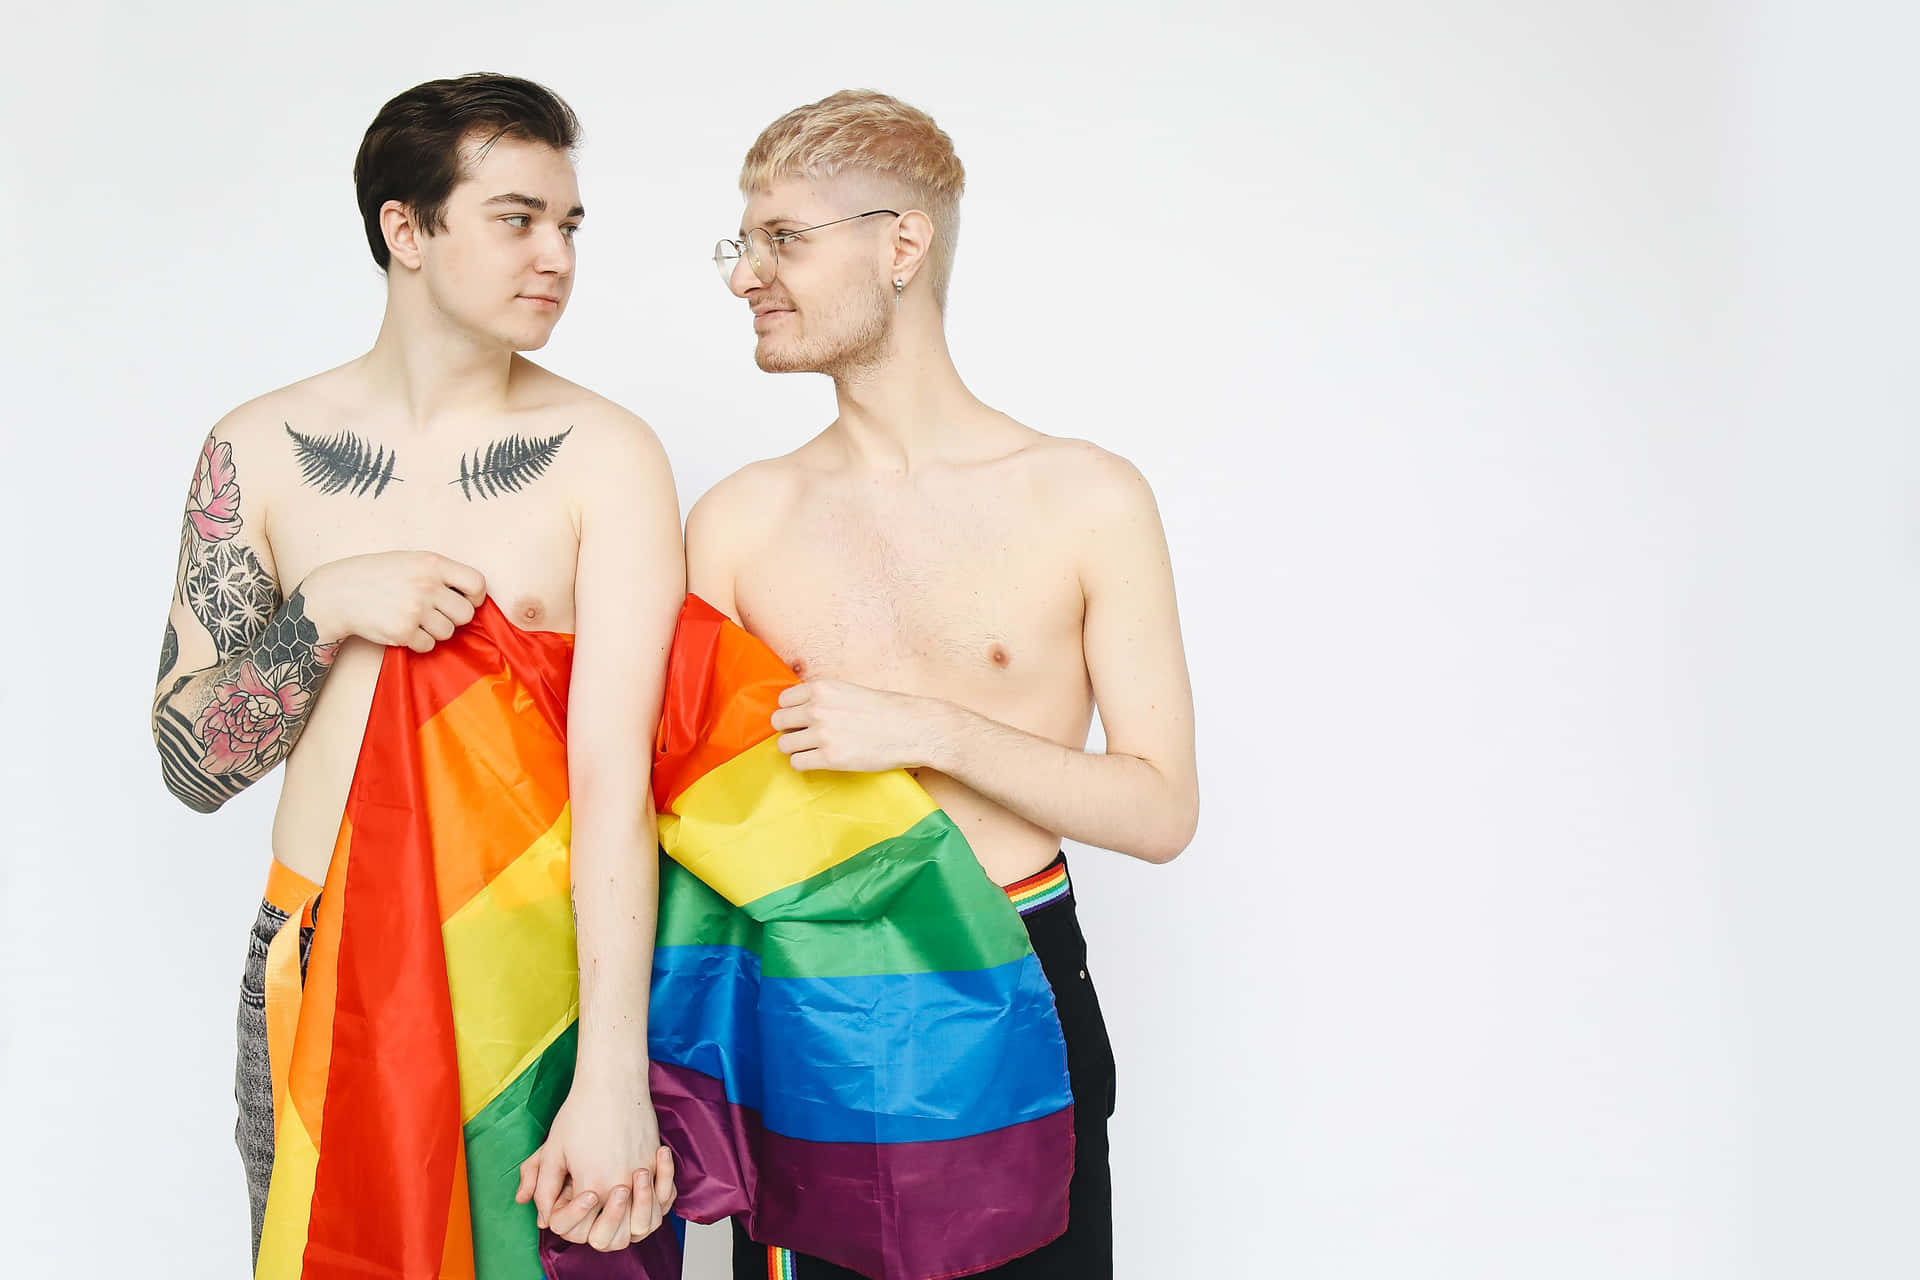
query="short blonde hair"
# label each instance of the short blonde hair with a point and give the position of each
(861, 129)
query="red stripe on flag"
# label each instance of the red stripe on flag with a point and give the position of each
(392, 1112)
(543, 660)
(722, 689)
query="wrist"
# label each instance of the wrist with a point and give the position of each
(621, 1070)
(318, 607)
(940, 731)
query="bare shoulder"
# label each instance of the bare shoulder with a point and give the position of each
(747, 502)
(265, 419)
(732, 521)
(248, 448)
(606, 442)
(537, 391)
(613, 435)
(1107, 510)
(1096, 483)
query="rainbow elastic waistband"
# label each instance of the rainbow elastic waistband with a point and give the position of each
(1041, 889)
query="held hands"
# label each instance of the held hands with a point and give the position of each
(414, 598)
(587, 1182)
(830, 724)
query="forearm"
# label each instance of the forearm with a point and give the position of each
(616, 872)
(1108, 800)
(222, 728)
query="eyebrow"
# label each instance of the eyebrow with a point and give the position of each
(534, 203)
(770, 223)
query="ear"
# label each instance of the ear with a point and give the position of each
(912, 242)
(403, 234)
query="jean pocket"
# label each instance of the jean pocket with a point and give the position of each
(266, 924)
(253, 984)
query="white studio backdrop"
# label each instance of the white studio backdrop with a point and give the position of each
(1461, 345)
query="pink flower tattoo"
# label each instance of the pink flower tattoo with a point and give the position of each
(250, 718)
(213, 507)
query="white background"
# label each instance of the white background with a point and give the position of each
(1519, 385)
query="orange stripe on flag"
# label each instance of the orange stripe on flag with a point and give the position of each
(723, 687)
(465, 751)
(307, 1076)
(456, 1260)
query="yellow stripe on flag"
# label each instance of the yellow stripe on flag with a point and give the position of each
(756, 824)
(283, 1235)
(512, 969)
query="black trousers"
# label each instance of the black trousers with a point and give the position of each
(1085, 1251)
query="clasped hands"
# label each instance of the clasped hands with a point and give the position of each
(602, 1178)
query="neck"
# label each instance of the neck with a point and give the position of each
(429, 369)
(908, 405)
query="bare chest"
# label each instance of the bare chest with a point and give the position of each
(525, 544)
(972, 598)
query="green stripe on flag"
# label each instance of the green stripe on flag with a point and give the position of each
(941, 912)
(507, 1131)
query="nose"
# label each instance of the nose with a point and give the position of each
(742, 281)
(555, 254)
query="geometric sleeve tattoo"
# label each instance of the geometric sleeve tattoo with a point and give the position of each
(245, 718)
(169, 651)
(199, 791)
(224, 727)
(231, 592)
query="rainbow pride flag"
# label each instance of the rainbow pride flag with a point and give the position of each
(853, 1045)
(434, 1040)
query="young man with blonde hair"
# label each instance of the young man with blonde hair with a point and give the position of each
(956, 590)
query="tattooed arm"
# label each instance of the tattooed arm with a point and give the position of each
(239, 666)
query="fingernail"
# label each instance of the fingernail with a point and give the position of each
(588, 1198)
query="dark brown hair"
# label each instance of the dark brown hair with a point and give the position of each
(412, 149)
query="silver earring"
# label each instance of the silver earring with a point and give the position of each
(899, 287)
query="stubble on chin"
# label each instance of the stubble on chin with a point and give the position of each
(771, 359)
(867, 335)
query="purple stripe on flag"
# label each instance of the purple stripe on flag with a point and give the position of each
(658, 1257)
(905, 1210)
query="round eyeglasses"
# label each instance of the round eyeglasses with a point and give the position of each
(761, 248)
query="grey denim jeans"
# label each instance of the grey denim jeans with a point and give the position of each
(253, 1069)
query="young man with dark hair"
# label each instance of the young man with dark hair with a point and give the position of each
(956, 591)
(439, 493)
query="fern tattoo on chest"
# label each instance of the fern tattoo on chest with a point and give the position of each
(507, 465)
(347, 463)
(342, 462)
